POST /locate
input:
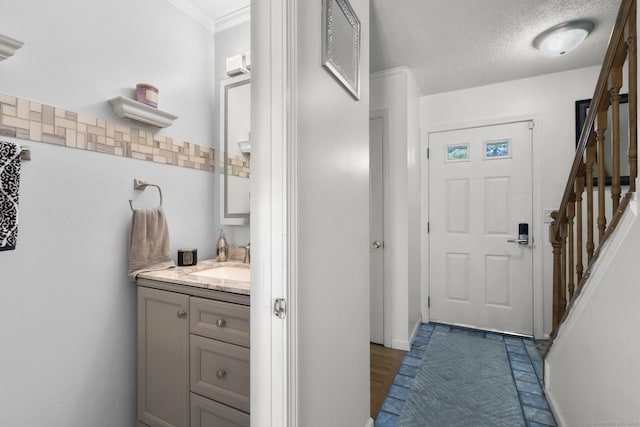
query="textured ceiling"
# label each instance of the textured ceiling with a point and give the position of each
(457, 44)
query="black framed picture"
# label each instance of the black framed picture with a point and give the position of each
(582, 108)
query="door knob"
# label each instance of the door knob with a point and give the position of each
(376, 245)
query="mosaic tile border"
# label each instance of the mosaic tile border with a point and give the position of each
(238, 166)
(24, 119)
(526, 368)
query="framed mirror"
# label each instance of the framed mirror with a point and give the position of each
(341, 44)
(235, 150)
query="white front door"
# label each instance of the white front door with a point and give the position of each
(376, 227)
(480, 192)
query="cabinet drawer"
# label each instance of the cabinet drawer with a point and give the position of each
(207, 413)
(220, 320)
(220, 371)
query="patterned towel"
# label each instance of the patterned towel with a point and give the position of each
(9, 183)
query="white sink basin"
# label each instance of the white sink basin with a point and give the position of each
(226, 272)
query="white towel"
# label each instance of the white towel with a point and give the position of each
(149, 242)
(9, 185)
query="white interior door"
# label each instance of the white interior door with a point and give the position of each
(480, 190)
(376, 225)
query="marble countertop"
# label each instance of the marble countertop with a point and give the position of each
(183, 276)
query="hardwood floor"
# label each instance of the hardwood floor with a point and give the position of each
(385, 363)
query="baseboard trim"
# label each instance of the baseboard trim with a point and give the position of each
(369, 423)
(404, 344)
(400, 345)
(553, 405)
(415, 329)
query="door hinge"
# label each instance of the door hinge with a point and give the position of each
(428, 227)
(428, 302)
(280, 308)
(427, 153)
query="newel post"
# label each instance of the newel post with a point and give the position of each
(556, 242)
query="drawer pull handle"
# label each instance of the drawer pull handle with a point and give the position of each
(221, 323)
(182, 314)
(221, 374)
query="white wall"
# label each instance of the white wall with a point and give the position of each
(552, 98)
(230, 42)
(77, 56)
(592, 372)
(414, 204)
(395, 90)
(68, 321)
(333, 232)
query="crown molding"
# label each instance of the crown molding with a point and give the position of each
(232, 19)
(190, 10)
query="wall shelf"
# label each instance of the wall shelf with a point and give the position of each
(8, 46)
(130, 109)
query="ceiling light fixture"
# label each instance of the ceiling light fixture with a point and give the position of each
(564, 37)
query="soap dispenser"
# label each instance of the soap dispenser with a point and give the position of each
(222, 249)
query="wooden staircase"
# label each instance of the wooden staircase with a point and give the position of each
(603, 175)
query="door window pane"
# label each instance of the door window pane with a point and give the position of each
(497, 149)
(458, 152)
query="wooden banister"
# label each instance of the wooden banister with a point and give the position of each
(588, 173)
(616, 39)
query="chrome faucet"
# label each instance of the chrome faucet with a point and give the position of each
(247, 254)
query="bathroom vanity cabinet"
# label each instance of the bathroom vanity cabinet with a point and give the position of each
(193, 356)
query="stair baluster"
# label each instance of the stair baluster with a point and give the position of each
(579, 224)
(567, 232)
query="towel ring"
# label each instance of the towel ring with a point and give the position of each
(141, 185)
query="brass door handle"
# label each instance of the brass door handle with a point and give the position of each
(376, 245)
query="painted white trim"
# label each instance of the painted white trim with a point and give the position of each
(273, 341)
(537, 214)
(539, 236)
(193, 12)
(232, 19)
(424, 218)
(414, 332)
(369, 423)
(397, 71)
(553, 405)
(222, 23)
(400, 344)
(447, 127)
(404, 344)
(290, 203)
